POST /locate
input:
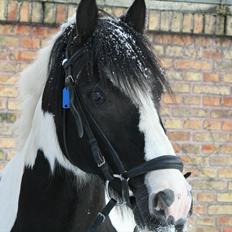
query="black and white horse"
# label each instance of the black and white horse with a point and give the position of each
(113, 84)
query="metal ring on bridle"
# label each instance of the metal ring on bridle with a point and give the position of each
(119, 203)
(64, 61)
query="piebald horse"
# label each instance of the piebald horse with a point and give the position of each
(90, 132)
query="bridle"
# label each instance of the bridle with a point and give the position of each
(84, 120)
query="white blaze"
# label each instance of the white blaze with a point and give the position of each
(157, 144)
(156, 141)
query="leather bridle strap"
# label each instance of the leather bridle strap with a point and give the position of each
(161, 162)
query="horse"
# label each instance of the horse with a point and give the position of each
(93, 154)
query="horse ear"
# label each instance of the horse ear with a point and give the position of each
(136, 16)
(86, 18)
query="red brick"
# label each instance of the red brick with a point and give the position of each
(182, 40)
(227, 125)
(212, 54)
(212, 124)
(27, 42)
(192, 65)
(61, 13)
(40, 31)
(227, 101)
(211, 77)
(202, 41)
(225, 220)
(26, 55)
(208, 148)
(7, 29)
(167, 99)
(198, 23)
(179, 136)
(12, 10)
(227, 229)
(22, 29)
(211, 101)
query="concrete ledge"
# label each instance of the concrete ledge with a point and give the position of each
(163, 16)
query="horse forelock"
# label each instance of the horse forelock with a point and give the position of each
(115, 52)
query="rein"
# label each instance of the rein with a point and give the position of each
(83, 119)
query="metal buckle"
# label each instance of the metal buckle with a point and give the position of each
(102, 216)
(69, 81)
(102, 163)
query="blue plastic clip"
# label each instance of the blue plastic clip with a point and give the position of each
(66, 98)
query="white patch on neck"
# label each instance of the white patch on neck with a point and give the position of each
(43, 136)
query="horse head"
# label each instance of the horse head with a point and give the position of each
(113, 85)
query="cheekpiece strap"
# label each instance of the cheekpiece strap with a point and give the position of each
(101, 216)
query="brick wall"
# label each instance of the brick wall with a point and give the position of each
(196, 50)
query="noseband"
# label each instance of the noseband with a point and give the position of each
(84, 119)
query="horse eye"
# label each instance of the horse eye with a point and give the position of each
(98, 96)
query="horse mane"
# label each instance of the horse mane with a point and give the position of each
(30, 88)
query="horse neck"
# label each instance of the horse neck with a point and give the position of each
(48, 197)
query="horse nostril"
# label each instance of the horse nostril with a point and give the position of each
(163, 199)
(179, 226)
(171, 220)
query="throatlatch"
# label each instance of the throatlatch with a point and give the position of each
(83, 117)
